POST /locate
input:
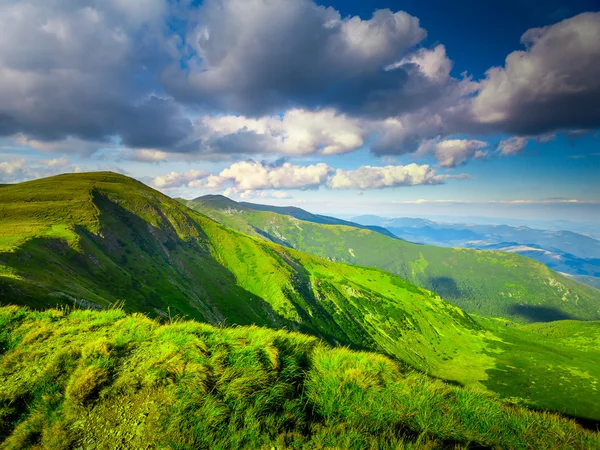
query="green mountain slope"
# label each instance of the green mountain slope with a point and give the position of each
(483, 282)
(94, 240)
(107, 380)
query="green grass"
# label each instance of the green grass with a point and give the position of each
(96, 240)
(110, 380)
(482, 282)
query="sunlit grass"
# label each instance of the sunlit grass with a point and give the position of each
(81, 377)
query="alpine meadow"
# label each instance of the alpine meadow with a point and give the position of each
(299, 224)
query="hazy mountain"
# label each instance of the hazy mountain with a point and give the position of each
(567, 252)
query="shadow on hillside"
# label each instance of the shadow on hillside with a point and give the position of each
(535, 313)
(272, 238)
(445, 287)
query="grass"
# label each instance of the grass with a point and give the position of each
(488, 283)
(111, 380)
(96, 240)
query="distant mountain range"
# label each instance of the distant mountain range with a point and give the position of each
(573, 254)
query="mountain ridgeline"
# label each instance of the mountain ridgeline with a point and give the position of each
(490, 283)
(100, 240)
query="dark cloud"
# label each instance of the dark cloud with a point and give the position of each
(81, 69)
(255, 57)
(554, 84)
(79, 74)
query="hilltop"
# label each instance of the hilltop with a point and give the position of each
(100, 239)
(490, 283)
(110, 380)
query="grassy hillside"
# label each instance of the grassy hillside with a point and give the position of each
(108, 380)
(483, 282)
(95, 240)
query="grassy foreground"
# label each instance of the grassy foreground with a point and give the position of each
(88, 379)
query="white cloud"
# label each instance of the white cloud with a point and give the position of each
(149, 155)
(434, 63)
(178, 179)
(454, 152)
(67, 145)
(12, 168)
(252, 175)
(279, 195)
(513, 145)
(368, 177)
(297, 132)
(56, 162)
(250, 179)
(19, 169)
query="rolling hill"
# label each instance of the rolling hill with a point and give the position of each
(98, 240)
(567, 252)
(490, 283)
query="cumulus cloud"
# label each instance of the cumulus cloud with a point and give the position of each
(256, 57)
(513, 145)
(242, 78)
(75, 70)
(19, 169)
(278, 195)
(12, 169)
(248, 179)
(56, 162)
(251, 175)
(297, 132)
(178, 179)
(553, 84)
(454, 152)
(149, 155)
(368, 177)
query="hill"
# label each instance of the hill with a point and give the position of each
(222, 202)
(567, 252)
(109, 380)
(489, 283)
(100, 239)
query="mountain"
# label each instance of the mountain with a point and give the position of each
(222, 202)
(97, 240)
(573, 254)
(108, 380)
(490, 283)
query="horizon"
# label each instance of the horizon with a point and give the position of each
(398, 109)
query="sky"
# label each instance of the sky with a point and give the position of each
(395, 108)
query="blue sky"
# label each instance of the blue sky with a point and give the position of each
(341, 107)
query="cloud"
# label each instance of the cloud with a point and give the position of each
(56, 162)
(369, 177)
(19, 169)
(249, 178)
(178, 179)
(12, 169)
(297, 132)
(250, 175)
(149, 155)
(454, 152)
(258, 57)
(549, 201)
(85, 74)
(230, 79)
(513, 145)
(553, 84)
(278, 195)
